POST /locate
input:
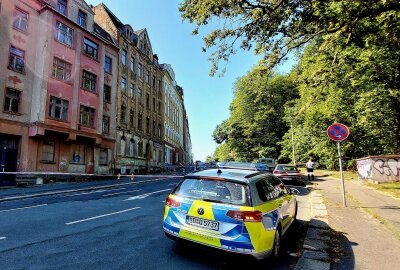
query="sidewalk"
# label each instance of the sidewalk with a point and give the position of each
(367, 230)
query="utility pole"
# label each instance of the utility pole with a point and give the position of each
(294, 157)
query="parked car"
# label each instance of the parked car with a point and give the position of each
(269, 163)
(289, 175)
(234, 210)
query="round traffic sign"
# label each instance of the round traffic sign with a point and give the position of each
(338, 132)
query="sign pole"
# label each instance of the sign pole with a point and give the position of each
(341, 174)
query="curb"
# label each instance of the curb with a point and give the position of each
(14, 198)
(316, 241)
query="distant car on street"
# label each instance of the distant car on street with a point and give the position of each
(235, 210)
(289, 174)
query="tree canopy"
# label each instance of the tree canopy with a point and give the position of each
(273, 28)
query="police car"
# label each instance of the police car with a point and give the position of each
(235, 210)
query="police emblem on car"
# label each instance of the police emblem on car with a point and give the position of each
(232, 209)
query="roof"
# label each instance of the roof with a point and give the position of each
(113, 18)
(103, 33)
(238, 175)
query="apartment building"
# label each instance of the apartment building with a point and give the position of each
(139, 143)
(58, 88)
(173, 117)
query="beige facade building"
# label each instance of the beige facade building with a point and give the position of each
(139, 145)
(173, 117)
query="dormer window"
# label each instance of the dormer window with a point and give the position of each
(82, 18)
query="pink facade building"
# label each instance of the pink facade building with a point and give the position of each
(58, 81)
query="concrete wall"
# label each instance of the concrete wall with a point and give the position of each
(379, 168)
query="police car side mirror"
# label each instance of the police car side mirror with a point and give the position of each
(294, 191)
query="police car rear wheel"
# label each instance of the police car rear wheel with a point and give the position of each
(277, 244)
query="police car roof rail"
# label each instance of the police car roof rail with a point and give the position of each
(241, 165)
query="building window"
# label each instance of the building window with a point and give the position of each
(140, 125)
(132, 148)
(132, 63)
(107, 64)
(103, 159)
(78, 153)
(132, 90)
(47, 151)
(147, 101)
(123, 85)
(64, 34)
(62, 6)
(11, 103)
(154, 81)
(58, 108)
(140, 149)
(123, 57)
(159, 130)
(87, 116)
(131, 118)
(140, 70)
(154, 128)
(123, 114)
(154, 104)
(147, 76)
(89, 81)
(107, 94)
(122, 146)
(16, 61)
(140, 95)
(82, 17)
(106, 124)
(148, 125)
(90, 48)
(159, 107)
(61, 69)
(20, 20)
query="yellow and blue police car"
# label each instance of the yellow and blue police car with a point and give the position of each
(235, 210)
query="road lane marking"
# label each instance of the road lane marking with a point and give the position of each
(20, 208)
(142, 196)
(85, 193)
(2, 238)
(106, 195)
(105, 215)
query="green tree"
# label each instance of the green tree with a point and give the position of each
(276, 27)
(256, 123)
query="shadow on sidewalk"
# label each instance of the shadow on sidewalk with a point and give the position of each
(334, 243)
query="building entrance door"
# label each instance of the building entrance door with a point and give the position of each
(8, 158)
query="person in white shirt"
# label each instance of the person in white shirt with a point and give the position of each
(310, 170)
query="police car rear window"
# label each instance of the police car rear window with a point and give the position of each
(214, 191)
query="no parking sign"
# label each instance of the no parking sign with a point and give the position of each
(339, 132)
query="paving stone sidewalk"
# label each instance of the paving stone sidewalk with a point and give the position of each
(365, 234)
(316, 242)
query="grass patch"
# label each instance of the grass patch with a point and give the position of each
(348, 175)
(392, 188)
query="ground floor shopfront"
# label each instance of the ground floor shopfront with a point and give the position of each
(137, 154)
(39, 149)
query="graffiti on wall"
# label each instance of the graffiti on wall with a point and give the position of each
(364, 168)
(391, 167)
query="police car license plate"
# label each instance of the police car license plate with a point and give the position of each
(202, 223)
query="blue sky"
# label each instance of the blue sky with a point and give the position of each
(206, 98)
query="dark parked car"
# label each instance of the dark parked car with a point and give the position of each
(289, 175)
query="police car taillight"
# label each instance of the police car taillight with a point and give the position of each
(247, 216)
(172, 202)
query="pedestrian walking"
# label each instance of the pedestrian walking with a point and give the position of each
(310, 170)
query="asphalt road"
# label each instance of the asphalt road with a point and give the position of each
(113, 228)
